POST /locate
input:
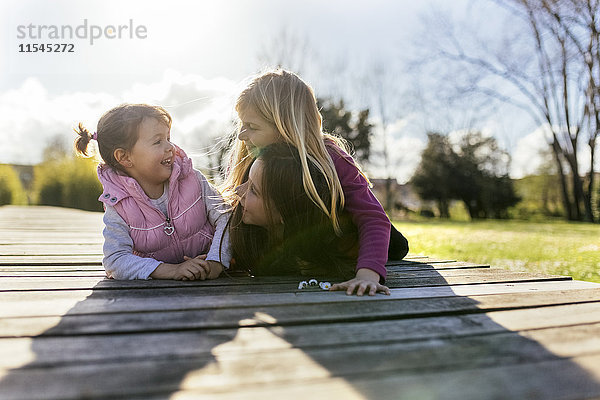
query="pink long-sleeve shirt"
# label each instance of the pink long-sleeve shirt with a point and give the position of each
(367, 213)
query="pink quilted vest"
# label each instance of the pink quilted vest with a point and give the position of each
(186, 231)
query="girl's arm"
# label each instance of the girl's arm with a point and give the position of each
(366, 212)
(119, 260)
(216, 210)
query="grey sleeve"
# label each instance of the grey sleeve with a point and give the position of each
(218, 216)
(119, 260)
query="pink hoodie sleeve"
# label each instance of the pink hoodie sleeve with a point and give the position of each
(366, 211)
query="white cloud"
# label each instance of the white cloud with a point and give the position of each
(408, 155)
(201, 109)
(526, 157)
(404, 149)
(30, 118)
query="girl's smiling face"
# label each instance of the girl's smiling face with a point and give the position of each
(256, 132)
(253, 201)
(151, 158)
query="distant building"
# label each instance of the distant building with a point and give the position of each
(25, 173)
(404, 197)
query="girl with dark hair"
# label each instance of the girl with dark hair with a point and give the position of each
(277, 229)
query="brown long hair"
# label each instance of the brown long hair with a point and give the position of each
(118, 128)
(309, 245)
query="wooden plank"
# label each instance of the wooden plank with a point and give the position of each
(22, 270)
(233, 372)
(393, 267)
(554, 379)
(234, 338)
(582, 308)
(29, 260)
(96, 272)
(44, 212)
(58, 303)
(40, 237)
(408, 260)
(408, 279)
(35, 303)
(565, 341)
(50, 249)
(37, 259)
(50, 268)
(402, 272)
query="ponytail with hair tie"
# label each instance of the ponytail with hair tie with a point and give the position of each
(83, 139)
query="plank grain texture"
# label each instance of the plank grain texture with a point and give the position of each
(449, 329)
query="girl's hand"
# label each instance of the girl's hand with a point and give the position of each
(192, 269)
(366, 281)
(189, 270)
(212, 268)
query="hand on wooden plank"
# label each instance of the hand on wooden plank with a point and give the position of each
(189, 270)
(213, 268)
(366, 281)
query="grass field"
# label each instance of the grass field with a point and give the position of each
(559, 248)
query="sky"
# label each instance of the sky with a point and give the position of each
(194, 57)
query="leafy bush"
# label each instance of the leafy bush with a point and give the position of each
(540, 198)
(68, 182)
(11, 190)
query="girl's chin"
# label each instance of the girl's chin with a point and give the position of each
(253, 150)
(168, 170)
(246, 220)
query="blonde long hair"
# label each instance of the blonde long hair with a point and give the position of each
(287, 102)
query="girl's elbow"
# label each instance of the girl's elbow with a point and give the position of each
(111, 266)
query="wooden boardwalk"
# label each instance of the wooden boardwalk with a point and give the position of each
(450, 330)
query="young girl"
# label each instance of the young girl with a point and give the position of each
(277, 229)
(161, 215)
(278, 106)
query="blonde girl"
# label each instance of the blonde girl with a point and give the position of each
(278, 106)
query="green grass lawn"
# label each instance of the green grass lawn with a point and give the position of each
(546, 247)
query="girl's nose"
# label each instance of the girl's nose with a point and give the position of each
(170, 147)
(243, 135)
(241, 191)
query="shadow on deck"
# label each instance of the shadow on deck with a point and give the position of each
(264, 339)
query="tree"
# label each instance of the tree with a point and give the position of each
(381, 86)
(11, 190)
(432, 178)
(482, 169)
(352, 126)
(549, 66)
(287, 49)
(64, 180)
(474, 171)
